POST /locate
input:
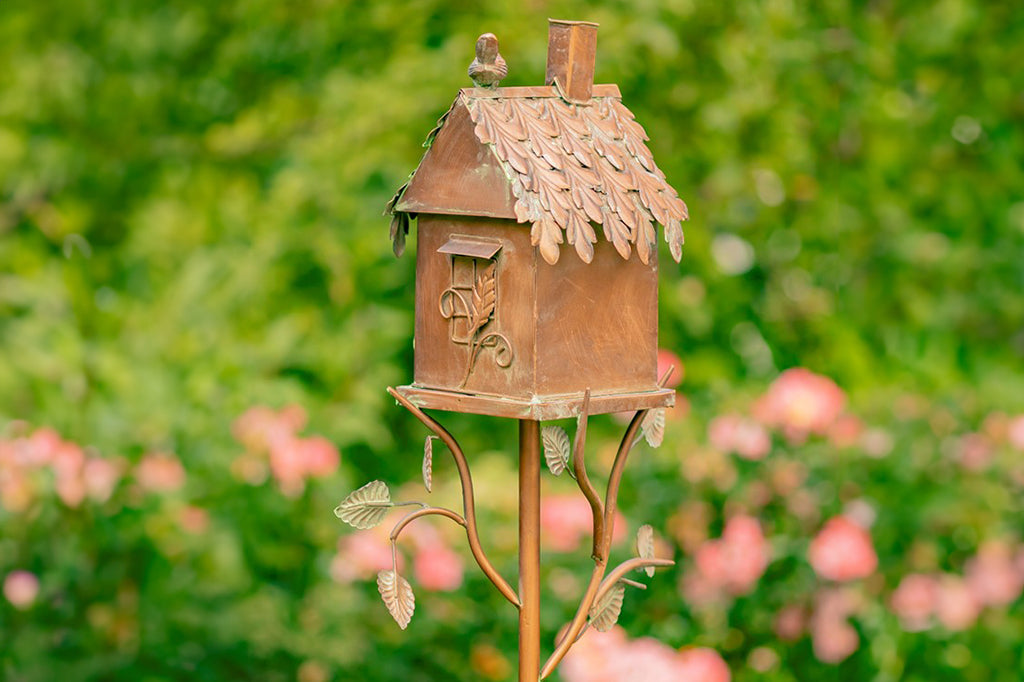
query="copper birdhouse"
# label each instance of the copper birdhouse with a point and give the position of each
(537, 260)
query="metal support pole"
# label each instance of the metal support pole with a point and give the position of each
(529, 550)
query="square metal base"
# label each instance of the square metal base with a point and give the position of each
(539, 408)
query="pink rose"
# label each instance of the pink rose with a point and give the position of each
(735, 562)
(801, 402)
(701, 664)
(160, 473)
(745, 437)
(1015, 432)
(842, 551)
(956, 608)
(100, 477)
(566, 519)
(361, 555)
(914, 601)
(21, 589)
(438, 568)
(991, 575)
(833, 640)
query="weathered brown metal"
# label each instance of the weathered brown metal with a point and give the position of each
(506, 326)
(529, 550)
(567, 167)
(488, 68)
(553, 328)
(468, 498)
(572, 53)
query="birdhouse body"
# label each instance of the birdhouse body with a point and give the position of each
(520, 305)
(553, 330)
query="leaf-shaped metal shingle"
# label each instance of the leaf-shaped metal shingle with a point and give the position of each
(573, 165)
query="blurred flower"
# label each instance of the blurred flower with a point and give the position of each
(566, 519)
(914, 601)
(974, 451)
(689, 525)
(612, 657)
(361, 555)
(833, 640)
(845, 432)
(312, 671)
(832, 637)
(160, 473)
(734, 563)
(790, 623)
(876, 443)
(666, 359)
(956, 607)
(701, 664)
(861, 512)
(763, 659)
(291, 458)
(100, 476)
(70, 489)
(800, 402)
(842, 551)
(21, 589)
(1015, 432)
(194, 520)
(487, 661)
(438, 568)
(746, 437)
(16, 489)
(992, 576)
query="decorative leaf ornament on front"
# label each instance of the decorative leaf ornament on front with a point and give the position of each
(475, 308)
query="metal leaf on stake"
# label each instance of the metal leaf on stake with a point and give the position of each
(645, 546)
(556, 448)
(605, 612)
(366, 507)
(397, 595)
(428, 463)
(653, 427)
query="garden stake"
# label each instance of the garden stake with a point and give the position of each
(510, 326)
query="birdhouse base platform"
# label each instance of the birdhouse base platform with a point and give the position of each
(538, 408)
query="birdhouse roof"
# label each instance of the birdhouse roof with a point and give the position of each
(567, 167)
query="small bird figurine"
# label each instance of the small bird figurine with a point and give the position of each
(489, 67)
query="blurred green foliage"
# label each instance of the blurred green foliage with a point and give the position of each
(190, 224)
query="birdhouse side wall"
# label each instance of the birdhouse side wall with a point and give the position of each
(597, 323)
(475, 326)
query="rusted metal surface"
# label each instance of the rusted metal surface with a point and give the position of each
(543, 408)
(552, 332)
(529, 550)
(570, 153)
(507, 327)
(458, 175)
(572, 51)
(561, 168)
(468, 497)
